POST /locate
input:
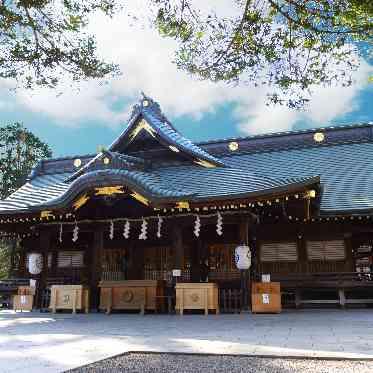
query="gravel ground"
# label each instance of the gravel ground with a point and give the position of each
(144, 363)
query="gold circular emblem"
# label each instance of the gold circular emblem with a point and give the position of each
(194, 297)
(127, 296)
(319, 137)
(106, 160)
(145, 103)
(66, 299)
(77, 162)
(233, 146)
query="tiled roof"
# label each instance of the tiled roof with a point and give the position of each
(36, 191)
(346, 172)
(116, 161)
(228, 182)
(261, 165)
(162, 185)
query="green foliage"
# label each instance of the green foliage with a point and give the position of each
(20, 150)
(4, 259)
(43, 40)
(289, 45)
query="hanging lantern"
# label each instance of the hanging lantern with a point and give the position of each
(35, 263)
(243, 257)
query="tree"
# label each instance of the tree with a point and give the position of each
(285, 45)
(20, 150)
(42, 40)
(4, 259)
(288, 45)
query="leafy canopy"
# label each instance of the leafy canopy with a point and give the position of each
(288, 45)
(20, 151)
(43, 40)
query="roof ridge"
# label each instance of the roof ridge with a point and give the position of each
(287, 133)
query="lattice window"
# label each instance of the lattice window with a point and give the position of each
(332, 250)
(70, 259)
(279, 252)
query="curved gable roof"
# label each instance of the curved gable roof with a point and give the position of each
(148, 116)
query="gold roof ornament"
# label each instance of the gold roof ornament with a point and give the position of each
(140, 198)
(182, 205)
(77, 162)
(145, 103)
(319, 137)
(46, 214)
(204, 163)
(233, 146)
(80, 202)
(311, 193)
(143, 125)
(106, 160)
(109, 191)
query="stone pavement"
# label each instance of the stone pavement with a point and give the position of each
(42, 342)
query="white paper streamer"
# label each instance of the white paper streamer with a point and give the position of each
(111, 230)
(75, 233)
(126, 229)
(197, 226)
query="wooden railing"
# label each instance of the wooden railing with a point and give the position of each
(324, 279)
(11, 285)
(230, 300)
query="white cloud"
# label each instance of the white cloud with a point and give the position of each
(327, 103)
(146, 61)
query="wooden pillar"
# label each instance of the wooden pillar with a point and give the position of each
(245, 275)
(244, 231)
(302, 264)
(177, 241)
(45, 247)
(12, 259)
(196, 254)
(136, 261)
(302, 252)
(96, 267)
(22, 264)
(350, 261)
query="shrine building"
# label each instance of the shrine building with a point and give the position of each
(155, 208)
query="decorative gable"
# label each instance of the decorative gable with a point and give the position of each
(150, 128)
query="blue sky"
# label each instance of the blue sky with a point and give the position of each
(80, 120)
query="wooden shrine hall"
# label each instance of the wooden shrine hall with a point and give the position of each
(155, 209)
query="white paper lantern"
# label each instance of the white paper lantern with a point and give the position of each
(243, 257)
(35, 263)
